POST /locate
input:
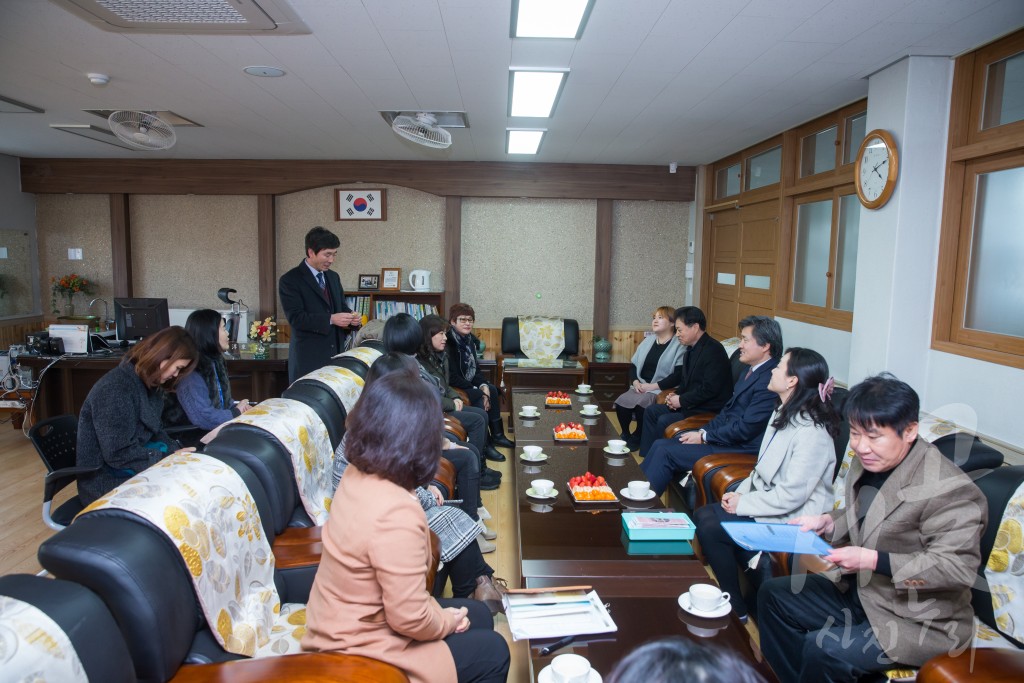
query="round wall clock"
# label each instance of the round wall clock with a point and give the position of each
(878, 165)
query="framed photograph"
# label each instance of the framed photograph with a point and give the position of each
(361, 205)
(369, 282)
(390, 279)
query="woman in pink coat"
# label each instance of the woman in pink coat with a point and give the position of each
(370, 596)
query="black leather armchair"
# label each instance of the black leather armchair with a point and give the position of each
(510, 338)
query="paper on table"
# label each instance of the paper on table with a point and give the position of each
(773, 538)
(550, 615)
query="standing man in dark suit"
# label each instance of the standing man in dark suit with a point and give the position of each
(740, 426)
(703, 382)
(314, 304)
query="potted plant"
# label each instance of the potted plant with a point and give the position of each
(67, 286)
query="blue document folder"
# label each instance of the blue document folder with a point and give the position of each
(774, 538)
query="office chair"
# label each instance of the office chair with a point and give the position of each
(56, 441)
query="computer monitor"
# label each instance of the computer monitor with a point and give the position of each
(138, 318)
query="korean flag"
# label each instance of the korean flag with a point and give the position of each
(358, 205)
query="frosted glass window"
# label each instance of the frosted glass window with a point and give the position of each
(1004, 92)
(726, 278)
(818, 152)
(846, 252)
(813, 237)
(856, 129)
(764, 169)
(727, 182)
(995, 286)
(757, 281)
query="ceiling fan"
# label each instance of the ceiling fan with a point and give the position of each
(142, 130)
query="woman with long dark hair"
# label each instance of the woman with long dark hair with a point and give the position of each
(369, 597)
(793, 474)
(119, 427)
(203, 398)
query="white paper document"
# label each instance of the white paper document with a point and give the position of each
(556, 614)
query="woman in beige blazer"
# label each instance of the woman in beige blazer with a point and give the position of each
(793, 474)
(370, 596)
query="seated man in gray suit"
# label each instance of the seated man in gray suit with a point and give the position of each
(741, 424)
(909, 555)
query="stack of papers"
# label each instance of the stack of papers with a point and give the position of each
(554, 613)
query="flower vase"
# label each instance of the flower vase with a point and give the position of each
(69, 305)
(602, 349)
(261, 351)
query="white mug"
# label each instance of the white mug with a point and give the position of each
(570, 669)
(529, 410)
(591, 409)
(531, 452)
(617, 445)
(707, 598)
(542, 487)
(639, 489)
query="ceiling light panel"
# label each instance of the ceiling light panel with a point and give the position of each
(523, 141)
(534, 93)
(550, 18)
(188, 16)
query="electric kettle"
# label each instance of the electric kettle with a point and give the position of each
(419, 280)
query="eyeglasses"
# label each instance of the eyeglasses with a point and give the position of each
(464, 319)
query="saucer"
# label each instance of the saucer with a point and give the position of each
(650, 494)
(684, 602)
(546, 675)
(539, 458)
(533, 494)
(621, 454)
(529, 417)
(583, 393)
(597, 414)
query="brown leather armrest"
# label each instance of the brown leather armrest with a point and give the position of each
(689, 424)
(463, 395)
(309, 667)
(715, 461)
(726, 476)
(992, 665)
(663, 396)
(445, 475)
(435, 555)
(454, 427)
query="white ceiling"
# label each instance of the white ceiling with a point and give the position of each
(651, 81)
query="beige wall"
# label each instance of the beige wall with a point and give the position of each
(649, 249)
(16, 273)
(66, 221)
(528, 257)
(412, 237)
(185, 248)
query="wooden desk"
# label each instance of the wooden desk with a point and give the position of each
(17, 403)
(563, 374)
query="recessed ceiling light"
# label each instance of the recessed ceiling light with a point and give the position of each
(264, 71)
(534, 92)
(523, 141)
(550, 18)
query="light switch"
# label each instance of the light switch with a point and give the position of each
(75, 254)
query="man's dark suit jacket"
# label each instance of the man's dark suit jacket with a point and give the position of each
(742, 421)
(314, 340)
(705, 379)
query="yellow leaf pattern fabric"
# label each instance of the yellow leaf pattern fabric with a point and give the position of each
(345, 384)
(304, 435)
(205, 509)
(34, 648)
(541, 338)
(363, 353)
(1005, 569)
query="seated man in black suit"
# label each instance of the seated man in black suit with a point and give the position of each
(740, 426)
(703, 382)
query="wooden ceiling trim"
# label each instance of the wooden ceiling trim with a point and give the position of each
(276, 177)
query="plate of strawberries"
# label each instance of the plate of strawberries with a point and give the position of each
(570, 432)
(557, 399)
(590, 488)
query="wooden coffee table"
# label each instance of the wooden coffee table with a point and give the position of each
(538, 430)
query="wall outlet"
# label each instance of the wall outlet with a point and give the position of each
(75, 254)
(690, 246)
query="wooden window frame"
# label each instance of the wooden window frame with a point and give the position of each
(841, 173)
(970, 152)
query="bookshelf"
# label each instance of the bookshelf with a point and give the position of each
(382, 305)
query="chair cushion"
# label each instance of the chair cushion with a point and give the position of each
(1004, 567)
(510, 344)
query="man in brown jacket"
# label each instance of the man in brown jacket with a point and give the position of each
(909, 554)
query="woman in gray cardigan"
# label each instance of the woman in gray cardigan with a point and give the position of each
(793, 474)
(652, 363)
(119, 428)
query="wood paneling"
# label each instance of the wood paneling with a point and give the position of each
(14, 332)
(452, 251)
(444, 178)
(121, 244)
(266, 245)
(603, 267)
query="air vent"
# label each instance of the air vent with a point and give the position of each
(176, 120)
(445, 119)
(188, 16)
(92, 132)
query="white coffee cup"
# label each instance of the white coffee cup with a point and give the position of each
(531, 452)
(529, 410)
(707, 598)
(617, 445)
(583, 388)
(542, 487)
(639, 489)
(591, 409)
(570, 669)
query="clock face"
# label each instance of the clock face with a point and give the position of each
(874, 169)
